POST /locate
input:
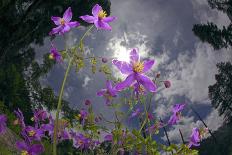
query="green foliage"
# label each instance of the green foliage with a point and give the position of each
(218, 38)
(220, 93)
(180, 150)
(210, 33)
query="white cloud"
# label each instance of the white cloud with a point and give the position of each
(86, 81)
(205, 14)
(191, 75)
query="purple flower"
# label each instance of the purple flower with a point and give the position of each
(62, 134)
(195, 138)
(3, 120)
(167, 84)
(135, 71)
(82, 116)
(108, 93)
(81, 142)
(99, 18)
(39, 115)
(34, 133)
(27, 149)
(20, 119)
(108, 137)
(176, 114)
(54, 54)
(136, 113)
(64, 24)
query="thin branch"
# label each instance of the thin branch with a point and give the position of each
(182, 138)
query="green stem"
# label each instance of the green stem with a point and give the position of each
(59, 107)
(61, 95)
(146, 118)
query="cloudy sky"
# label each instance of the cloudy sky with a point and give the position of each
(162, 30)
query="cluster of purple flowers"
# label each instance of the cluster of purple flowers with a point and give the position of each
(64, 24)
(43, 127)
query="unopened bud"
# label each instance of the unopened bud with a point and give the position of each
(167, 84)
(104, 60)
(87, 102)
(158, 75)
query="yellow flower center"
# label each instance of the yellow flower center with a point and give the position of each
(51, 56)
(24, 152)
(62, 21)
(31, 133)
(32, 119)
(78, 116)
(138, 67)
(102, 14)
(108, 96)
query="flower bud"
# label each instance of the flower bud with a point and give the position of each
(87, 102)
(167, 84)
(158, 75)
(104, 60)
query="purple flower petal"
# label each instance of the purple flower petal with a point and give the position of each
(21, 145)
(123, 66)
(146, 82)
(66, 28)
(101, 92)
(126, 83)
(173, 119)
(36, 149)
(88, 19)
(102, 25)
(67, 15)
(56, 20)
(148, 65)
(73, 24)
(56, 30)
(110, 88)
(195, 137)
(96, 10)
(178, 107)
(134, 56)
(108, 19)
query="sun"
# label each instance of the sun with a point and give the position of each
(121, 53)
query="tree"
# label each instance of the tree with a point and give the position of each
(218, 38)
(220, 93)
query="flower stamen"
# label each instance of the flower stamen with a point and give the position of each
(62, 21)
(31, 133)
(138, 67)
(102, 14)
(24, 152)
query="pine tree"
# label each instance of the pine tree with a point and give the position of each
(220, 93)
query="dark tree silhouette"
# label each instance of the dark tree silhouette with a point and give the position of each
(218, 38)
(220, 93)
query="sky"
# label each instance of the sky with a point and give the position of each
(161, 30)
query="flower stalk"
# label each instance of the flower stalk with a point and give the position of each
(61, 95)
